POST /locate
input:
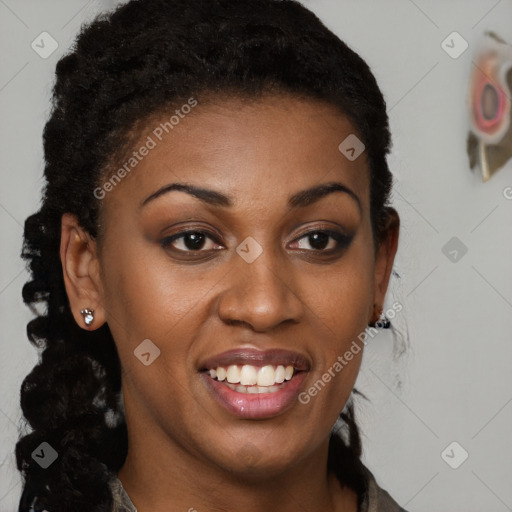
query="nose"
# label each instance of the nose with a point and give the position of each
(260, 294)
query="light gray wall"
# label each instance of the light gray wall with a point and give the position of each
(454, 382)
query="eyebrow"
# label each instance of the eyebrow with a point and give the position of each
(297, 200)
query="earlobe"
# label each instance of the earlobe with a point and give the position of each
(80, 272)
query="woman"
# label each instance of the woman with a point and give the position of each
(214, 240)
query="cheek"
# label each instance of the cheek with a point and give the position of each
(339, 303)
(148, 298)
(144, 288)
(341, 298)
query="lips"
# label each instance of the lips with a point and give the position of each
(258, 396)
(257, 358)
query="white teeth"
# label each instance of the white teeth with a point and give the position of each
(255, 378)
(280, 373)
(248, 375)
(266, 376)
(252, 389)
(221, 373)
(233, 374)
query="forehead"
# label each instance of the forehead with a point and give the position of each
(269, 146)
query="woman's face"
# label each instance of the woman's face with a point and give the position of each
(271, 276)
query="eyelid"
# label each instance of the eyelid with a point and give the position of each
(325, 228)
(342, 237)
(166, 241)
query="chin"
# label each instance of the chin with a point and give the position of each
(258, 461)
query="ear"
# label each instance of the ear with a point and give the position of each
(80, 267)
(384, 259)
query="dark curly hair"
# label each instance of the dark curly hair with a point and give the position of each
(124, 67)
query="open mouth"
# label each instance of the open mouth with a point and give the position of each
(255, 384)
(255, 392)
(253, 379)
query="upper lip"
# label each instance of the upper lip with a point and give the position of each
(241, 356)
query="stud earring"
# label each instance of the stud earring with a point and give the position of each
(382, 322)
(88, 315)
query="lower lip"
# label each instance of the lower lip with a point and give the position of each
(257, 405)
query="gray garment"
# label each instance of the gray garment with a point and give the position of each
(377, 499)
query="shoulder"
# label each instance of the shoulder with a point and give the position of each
(376, 499)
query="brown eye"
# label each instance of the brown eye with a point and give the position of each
(319, 240)
(192, 241)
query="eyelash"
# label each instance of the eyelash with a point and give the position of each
(342, 240)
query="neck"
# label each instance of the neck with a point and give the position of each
(160, 476)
